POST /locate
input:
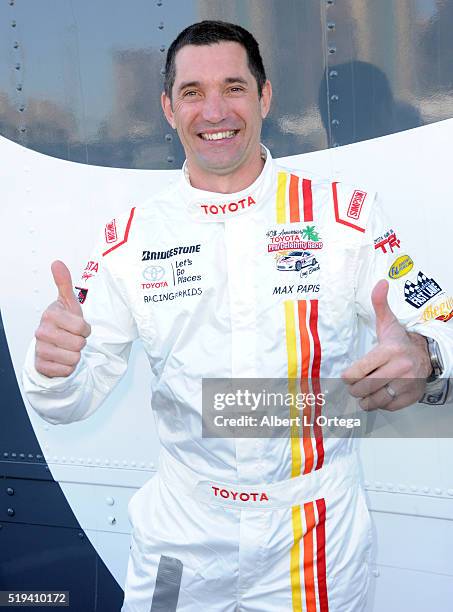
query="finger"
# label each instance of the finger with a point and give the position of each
(49, 352)
(377, 357)
(60, 337)
(383, 312)
(66, 320)
(367, 386)
(382, 401)
(63, 281)
(52, 369)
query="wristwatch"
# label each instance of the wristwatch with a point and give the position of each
(435, 357)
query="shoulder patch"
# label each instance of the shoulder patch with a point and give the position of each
(351, 206)
(114, 234)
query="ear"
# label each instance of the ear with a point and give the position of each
(167, 108)
(266, 97)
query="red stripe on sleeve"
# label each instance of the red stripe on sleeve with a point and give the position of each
(337, 212)
(126, 234)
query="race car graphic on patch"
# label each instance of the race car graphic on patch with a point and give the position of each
(418, 294)
(296, 260)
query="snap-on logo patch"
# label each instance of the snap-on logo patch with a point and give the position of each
(356, 203)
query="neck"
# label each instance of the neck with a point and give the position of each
(233, 182)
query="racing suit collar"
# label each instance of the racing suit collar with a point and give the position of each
(208, 206)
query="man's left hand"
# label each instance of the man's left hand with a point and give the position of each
(393, 374)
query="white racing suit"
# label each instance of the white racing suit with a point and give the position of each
(266, 283)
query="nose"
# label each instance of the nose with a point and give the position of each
(214, 107)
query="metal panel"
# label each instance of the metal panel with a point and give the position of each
(43, 558)
(81, 80)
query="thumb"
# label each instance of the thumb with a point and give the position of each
(63, 281)
(384, 315)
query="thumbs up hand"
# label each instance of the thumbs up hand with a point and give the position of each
(62, 332)
(393, 374)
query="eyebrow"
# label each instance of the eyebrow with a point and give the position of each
(228, 80)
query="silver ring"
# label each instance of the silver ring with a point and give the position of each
(390, 391)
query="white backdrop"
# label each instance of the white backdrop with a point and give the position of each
(52, 209)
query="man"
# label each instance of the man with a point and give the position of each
(258, 272)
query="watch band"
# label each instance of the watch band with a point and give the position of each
(435, 357)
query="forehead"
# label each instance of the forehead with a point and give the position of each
(211, 62)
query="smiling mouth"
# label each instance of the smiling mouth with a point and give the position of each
(227, 134)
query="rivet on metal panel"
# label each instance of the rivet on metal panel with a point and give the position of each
(89, 460)
(125, 463)
(19, 87)
(106, 461)
(13, 24)
(330, 2)
(10, 491)
(450, 492)
(170, 159)
(11, 2)
(376, 573)
(425, 489)
(111, 520)
(331, 26)
(98, 462)
(159, 3)
(10, 512)
(336, 144)
(332, 50)
(389, 485)
(162, 71)
(333, 74)
(334, 98)
(109, 501)
(161, 25)
(379, 485)
(335, 122)
(413, 488)
(23, 130)
(6, 455)
(17, 66)
(402, 487)
(22, 455)
(438, 491)
(80, 534)
(13, 454)
(168, 137)
(63, 459)
(21, 108)
(15, 44)
(38, 456)
(142, 464)
(30, 456)
(133, 463)
(162, 48)
(151, 465)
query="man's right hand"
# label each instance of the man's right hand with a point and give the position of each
(62, 332)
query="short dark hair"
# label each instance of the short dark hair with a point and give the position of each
(213, 32)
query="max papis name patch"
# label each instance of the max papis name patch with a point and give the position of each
(180, 250)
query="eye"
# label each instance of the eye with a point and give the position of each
(236, 89)
(190, 93)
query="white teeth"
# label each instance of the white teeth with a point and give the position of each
(218, 135)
